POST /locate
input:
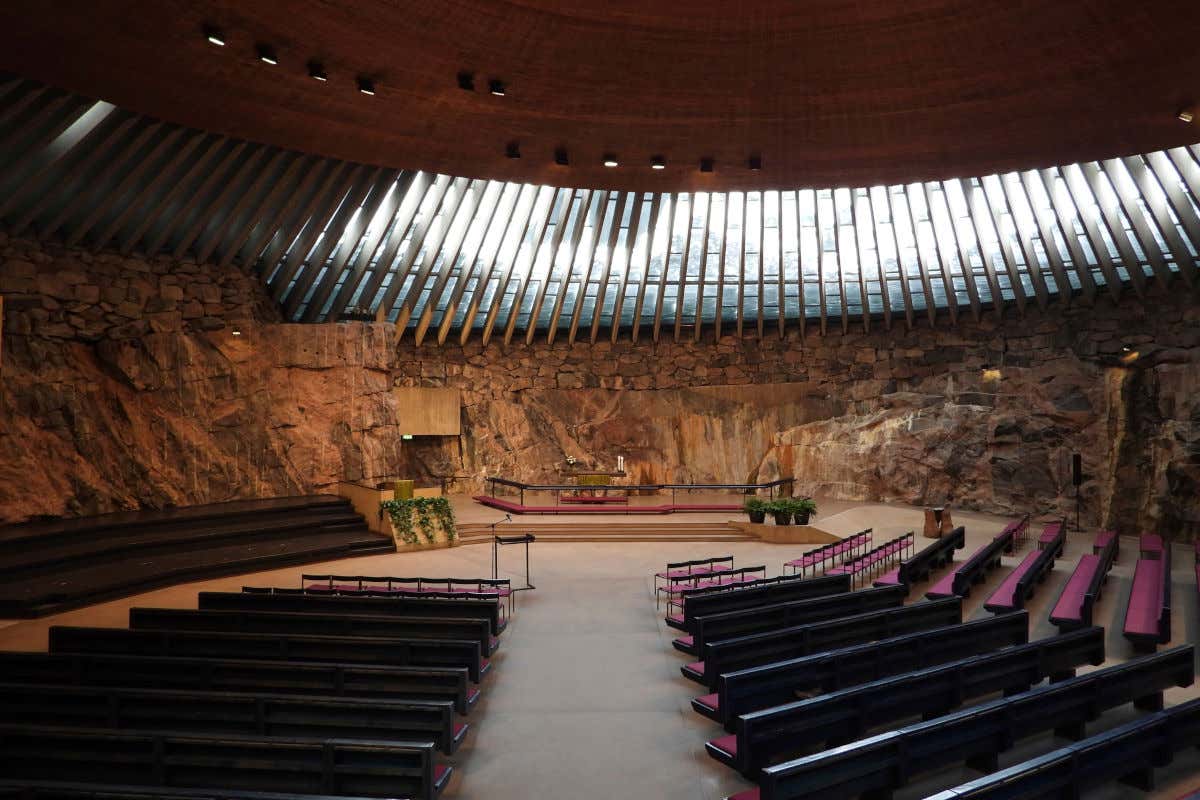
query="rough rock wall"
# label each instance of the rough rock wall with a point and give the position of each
(124, 386)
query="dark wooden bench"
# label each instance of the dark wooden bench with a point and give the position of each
(331, 766)
(717, 627)
(802, 640)
(1148, 615)
(315, 624)
(16, 789)
(373, 606)
(919, 567)
(500, 588)
(274, 646)
(1128, 753)
(771, 735)
(1052, 534)
(242, 675)
(1102, 540)
(721, 601)
(729, 579)
(1018, 586)
(972, 571)
(881, 763)
(756, 688)
(1078, 598)
(232, 713)
(675, 606)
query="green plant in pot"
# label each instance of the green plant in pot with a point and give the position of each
(781, 510)
(802, 509)
(756, 508)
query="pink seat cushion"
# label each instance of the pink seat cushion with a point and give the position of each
(1104, 537)
(484, 665)
(1145, 598)
(686, 641)
(889, 578)
(749, 794)
(726, 744)
(710, 701)
(838, 571)
(440, 773)
(676, 618)
(493, 641)
(1150, 543)
(1050, 533)
(1005, 593)
(472, 695)
(696, 667)
(1070, 602)
(943, 588)
(459, 730)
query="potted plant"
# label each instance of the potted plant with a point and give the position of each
(756, 508)
(803, 508)
(781, 510)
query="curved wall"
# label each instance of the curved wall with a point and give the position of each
(123, 386)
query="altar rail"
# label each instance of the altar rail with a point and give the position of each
(558, 488)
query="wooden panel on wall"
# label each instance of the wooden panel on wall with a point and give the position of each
(428, 412)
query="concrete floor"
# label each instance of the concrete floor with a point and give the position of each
(586, 700)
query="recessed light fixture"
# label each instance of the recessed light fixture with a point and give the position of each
(610, 160)
(466, 81)
(214, 35)
(755, 163)
(706, 165)
(1186, 115)
(266, 54)
(366, 85)
(406, 436)
(317, 71)
(1126, 348)
(658, 162)
(560, 156)
(235, 332)
(496, 87)
(512, 150)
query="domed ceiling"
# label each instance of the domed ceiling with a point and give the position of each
(826, 92)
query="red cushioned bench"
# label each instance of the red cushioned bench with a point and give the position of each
(1082, 591)
(1102, 540)
(1148, 615)
(593, 499)
(1049, 534)
(972, 571)
(1018, 585)
(1150, 545)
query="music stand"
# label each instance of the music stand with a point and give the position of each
(497, 542)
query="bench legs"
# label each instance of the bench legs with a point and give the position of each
(1151, 702)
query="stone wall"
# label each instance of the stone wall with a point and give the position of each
(124, 386)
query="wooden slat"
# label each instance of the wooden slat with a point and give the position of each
(597, 205)
(560, 231)
(41, 162)
(1028, 251)
(1158, 202)
(164, 210)
(1127, 199)
(880, 275)
(989, 270)
(720, 305)
(900, 270)
(741, 296)
(517, 219)
(207, 243)
(426, 186)
(635, 218)
(683, 265)
(666, 268)
(272, 227)
(1076, 189)
(536, 231)
(655, 208)
(1048, 222)
(614, 237)
(1111, 219)
(181, 214)
(704, 271)
(233, 184)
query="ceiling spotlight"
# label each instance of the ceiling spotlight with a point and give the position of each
(512, 150)
(317, 71)
(658, 162)
(366, 86)
(496, 87)
(706, 165)
(235, 332)
(1126, 348)
(756, 163)
(266, 54)
(1187, 114)
(214, 35)
(466, 81)
(610, 160)
(560, 156)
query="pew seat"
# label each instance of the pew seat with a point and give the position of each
(1070, 603)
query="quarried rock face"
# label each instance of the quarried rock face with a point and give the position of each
(124, 386)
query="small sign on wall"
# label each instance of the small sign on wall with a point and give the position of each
(428, 412)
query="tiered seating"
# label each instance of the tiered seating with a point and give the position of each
(691, 569)
(274, 693)
(818, 560)
(747, 690)
(719, 627)
(877, 558)
(763, 648)
(676, 586)
(48, 567)
(1148, 615)
(775, 590)
(1128, 753)
(768, 736)
(1018, 585)
(972, 571)
(1078, 599)
(918, 567)
(880, 763)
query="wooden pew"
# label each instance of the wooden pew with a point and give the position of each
(717, 627)
(343, 604)
(1016, 588)
(1078, 598)
(771, 735)
(232, 713)
(17, 789)
(675, 606)
(920, 566)
(273, 647)
(729, 579)
(718, 601)
(1148, 615)
(881, 763)
(972, 571)
(802, 640)
(1128, 753)
(694, 568)
(756, 688)
(241, 675)
(308, 766)
(314, 624)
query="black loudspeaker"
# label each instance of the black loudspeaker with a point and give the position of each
(1077, 469)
